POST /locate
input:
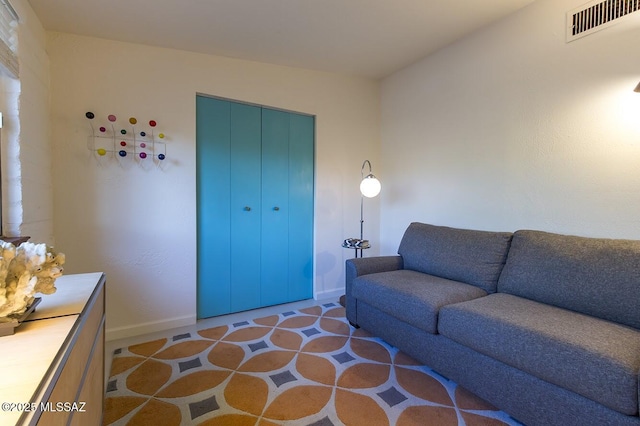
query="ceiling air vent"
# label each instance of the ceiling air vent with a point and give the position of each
(597, 15)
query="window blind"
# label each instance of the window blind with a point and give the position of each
(8, 39)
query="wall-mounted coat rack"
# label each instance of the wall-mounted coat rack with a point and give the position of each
(126, 141)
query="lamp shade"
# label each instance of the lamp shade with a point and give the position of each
(370, 186)
(637, 89)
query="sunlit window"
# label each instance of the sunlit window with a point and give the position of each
(8, 39)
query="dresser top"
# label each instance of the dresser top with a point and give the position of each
(72, 293)
(30, 355)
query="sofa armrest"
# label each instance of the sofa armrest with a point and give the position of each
(371, 265)
(364, 266)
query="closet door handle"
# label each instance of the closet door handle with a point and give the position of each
(247, 209)
(276, 208)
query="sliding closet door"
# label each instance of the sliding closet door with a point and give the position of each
(255, 206)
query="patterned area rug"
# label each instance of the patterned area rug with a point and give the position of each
(307, 367)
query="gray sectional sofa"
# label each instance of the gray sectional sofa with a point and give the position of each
(544, 326)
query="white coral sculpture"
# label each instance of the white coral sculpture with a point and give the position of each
(24, 271)
(7, 253)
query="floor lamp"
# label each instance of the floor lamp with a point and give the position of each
(369, 187)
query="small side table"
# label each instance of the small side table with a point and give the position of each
(356, 244)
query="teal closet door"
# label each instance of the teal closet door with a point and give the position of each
(287, 194)
(246, 206)
(276, 209)
(301, 189)
(255, 206)
(213, 179)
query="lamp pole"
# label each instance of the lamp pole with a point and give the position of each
(362, 201)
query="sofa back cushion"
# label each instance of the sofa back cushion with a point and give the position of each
(595, 276)
(472, 257)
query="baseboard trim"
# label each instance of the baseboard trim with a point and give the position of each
(135, 330)
(148, 327)
(329, 294)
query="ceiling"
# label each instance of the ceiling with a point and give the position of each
(369, 38)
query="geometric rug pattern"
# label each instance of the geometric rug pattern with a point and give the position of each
(306, 367)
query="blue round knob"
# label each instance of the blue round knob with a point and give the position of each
(161, 157)
(90, 115)
(122, 153)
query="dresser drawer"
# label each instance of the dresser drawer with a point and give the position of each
(92, 388)
(85, 355)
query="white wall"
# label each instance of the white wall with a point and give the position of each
(26, 151)
(137, 221)
(514, 128)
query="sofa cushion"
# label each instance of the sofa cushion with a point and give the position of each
(412, 296)
(594, 276)
(472, 257)
(595, 358)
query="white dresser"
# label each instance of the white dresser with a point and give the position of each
(52, 368)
